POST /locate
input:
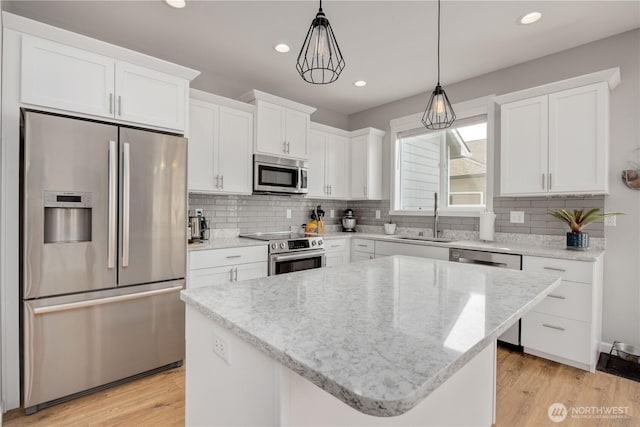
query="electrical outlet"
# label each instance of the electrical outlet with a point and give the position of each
(332, 213)
(199, 212)
(517, 217)
(221, 348)
(288, 213)
(377, 214)
(610, 221)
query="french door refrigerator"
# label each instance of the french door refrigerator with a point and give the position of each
(103, 255)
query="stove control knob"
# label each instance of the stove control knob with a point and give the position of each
(320, 242)
(282, 245)
(313, 243)
(274, 245)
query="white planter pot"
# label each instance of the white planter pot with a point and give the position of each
(390, 228)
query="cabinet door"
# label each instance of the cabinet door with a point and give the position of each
(270, 129)
(337, 157)
(334, 258)
(359, 167)
(235, 142)
(210, 276)
(317, 165)
(578, 132)
(296, 131)
(202, 142)
(251, 271)
(361, 256)
(59, 76)
(523, 147)
(150, 97)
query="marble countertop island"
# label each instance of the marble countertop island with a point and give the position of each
(379, 335)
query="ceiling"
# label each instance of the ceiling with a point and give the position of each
(390, 44)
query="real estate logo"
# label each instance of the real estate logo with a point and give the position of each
(557, 412)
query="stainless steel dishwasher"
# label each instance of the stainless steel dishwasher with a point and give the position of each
(511, 337)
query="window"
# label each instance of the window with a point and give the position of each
(452, 162)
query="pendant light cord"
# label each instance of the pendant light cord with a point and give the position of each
(438, 41)
(320, 5)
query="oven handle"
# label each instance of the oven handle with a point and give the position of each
(297, 255)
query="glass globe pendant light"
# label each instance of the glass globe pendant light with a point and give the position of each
(320, 60)
(439, 114)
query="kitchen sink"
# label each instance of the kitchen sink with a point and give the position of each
(427, 239)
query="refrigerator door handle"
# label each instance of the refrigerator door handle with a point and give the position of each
(113, 206)
(101, 301)
(126, 203)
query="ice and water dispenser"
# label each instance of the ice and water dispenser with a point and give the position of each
(67, 217)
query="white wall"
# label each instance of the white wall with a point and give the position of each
(621, 319)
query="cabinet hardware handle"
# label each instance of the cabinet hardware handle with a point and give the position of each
(222, 181)
(234, 256)
(550, 181)
(119, 105)
(235, 277)
(111, 103)
(288, 147)
(362, 246)
(544, 187)
(556, 296)
(557, 328)
(217, 181)
(231, 274)
(562, 270)
(365, 190)
(371, 257)
(330, 190)
(335, 246)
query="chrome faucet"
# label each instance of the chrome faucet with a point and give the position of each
(435, 215)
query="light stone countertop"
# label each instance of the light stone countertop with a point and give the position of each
(224, 243)
(380, 335)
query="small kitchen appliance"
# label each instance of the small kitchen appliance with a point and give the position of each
(289, 252)
(199, 228)
(349, 221)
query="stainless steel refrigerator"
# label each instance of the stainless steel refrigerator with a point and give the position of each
(103, 254)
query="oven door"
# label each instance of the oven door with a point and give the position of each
(288, 263)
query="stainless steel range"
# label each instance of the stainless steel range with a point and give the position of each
(289, 252)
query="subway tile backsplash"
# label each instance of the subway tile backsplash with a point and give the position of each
(269, 213)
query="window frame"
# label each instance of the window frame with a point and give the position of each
(464, 110)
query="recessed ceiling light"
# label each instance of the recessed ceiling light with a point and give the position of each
(530, 18)
(360, 83)
(178, 4)
(282, 48)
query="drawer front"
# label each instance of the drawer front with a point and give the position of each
(362, 245)
(558, 336)
(361, 256)
(574, 271)
(231, 256)
(209, 277)
(336, 245)
(570, 300)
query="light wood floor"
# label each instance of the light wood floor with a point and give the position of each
(526, 387)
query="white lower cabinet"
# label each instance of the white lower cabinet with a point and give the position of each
(566, 325)
(362, 249)
(216, 266)
(337, 252)
(423, 251)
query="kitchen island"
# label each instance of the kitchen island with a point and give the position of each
(392, 341)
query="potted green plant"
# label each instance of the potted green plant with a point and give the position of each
(577, 221)
(389, 227)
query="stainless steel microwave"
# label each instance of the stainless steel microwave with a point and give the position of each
(279, 175)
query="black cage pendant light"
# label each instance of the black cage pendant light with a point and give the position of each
(439, 113)
(320, 60)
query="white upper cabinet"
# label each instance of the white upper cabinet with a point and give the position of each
(282, 126)
(328, 159)
(62, 77)
(556, 143)
(578, 140)
(220, 144)
(150, 97)
(366, 164)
